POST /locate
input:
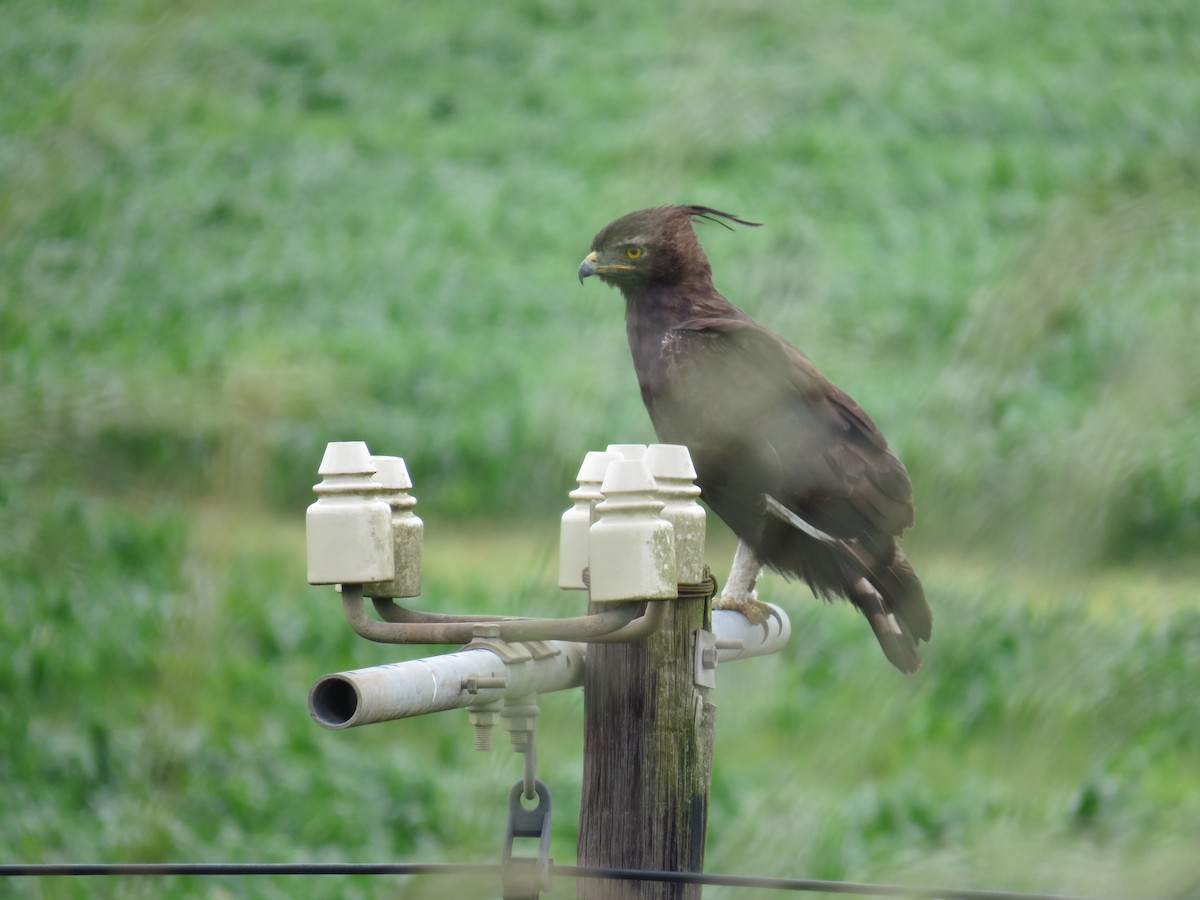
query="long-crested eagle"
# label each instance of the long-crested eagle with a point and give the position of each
(788, 460)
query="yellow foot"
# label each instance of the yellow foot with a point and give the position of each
(755, 610)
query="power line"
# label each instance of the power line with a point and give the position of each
(810, 885)
(116, 869)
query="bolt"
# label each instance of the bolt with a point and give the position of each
(483, 738)
(519, 719)
(472, 684)
(483, 718)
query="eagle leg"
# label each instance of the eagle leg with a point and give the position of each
(739, 594)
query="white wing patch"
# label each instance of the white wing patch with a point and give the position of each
(777, 509)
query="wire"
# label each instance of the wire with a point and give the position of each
(861, 889)
(803, 884)
(51, 869)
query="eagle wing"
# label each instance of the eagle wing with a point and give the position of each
(765, 427)
(761, 419)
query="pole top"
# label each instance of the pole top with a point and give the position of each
(628, 476)
(392, 473)
(629, 451)
(595, 465)
(346, 458)
(671, 461)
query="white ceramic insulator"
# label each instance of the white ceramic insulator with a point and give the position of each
(632, 549)
(628, 451)
(349, 529)
(408, 531)
(671, 466)
(576, 521)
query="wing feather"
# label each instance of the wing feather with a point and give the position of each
(779, 427)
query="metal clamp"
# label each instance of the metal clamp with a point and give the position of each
(524, 878)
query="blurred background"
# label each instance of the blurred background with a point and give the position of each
(232, 232)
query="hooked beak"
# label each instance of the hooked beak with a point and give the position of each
(588, 266)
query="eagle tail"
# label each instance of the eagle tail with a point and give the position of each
(893, 601)
(900, 585)
(889, 594)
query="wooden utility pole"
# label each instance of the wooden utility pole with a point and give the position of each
(647, 767)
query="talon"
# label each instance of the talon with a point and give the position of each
(756, 611)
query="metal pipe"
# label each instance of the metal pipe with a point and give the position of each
(391, 611)
(480, 675)
(731, 627)
(431, 628)
(469, 677)
(395, 633)
(644, 625)
(622, 623)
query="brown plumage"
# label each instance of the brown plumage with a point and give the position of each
(788, 460)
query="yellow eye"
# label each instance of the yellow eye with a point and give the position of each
(634, 252)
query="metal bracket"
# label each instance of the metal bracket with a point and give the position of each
(508, 652)
(541, 649)
(706, 658)
(707, 650)
(524, 878)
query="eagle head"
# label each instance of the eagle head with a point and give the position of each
(651, 245)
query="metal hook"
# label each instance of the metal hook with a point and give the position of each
(524, 878)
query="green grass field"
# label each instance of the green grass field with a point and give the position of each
(232, 232)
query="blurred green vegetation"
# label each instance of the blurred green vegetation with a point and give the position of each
(232, 232)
